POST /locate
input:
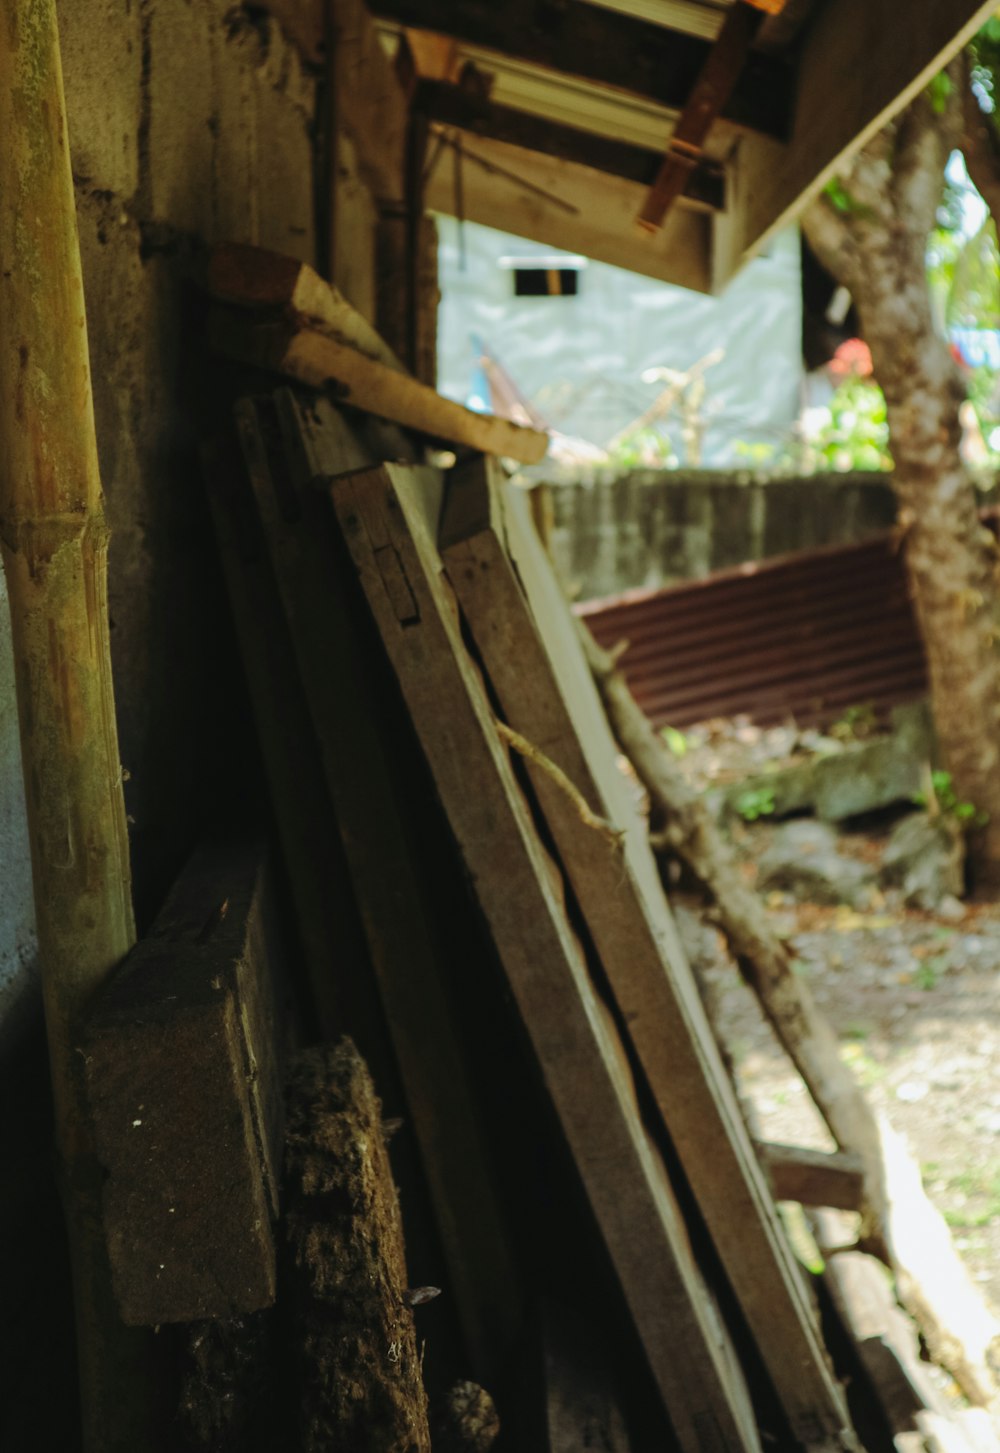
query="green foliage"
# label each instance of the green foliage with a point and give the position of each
(755, 802)
(841, 200)
(939, 90)
(644, 449)
(675, 740)
(947, 801)
(929, 972)
(856, 435)
(857, 723)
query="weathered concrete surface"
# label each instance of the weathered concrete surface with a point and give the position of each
(651, 527)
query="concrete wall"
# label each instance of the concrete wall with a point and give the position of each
(648, 528)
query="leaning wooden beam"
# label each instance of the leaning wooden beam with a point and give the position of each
(54, 542)
(391, 541)
(256, 278)
(899, 1221)
(184, 1075)
(652, 986)
(320, 606)
(356, 1360)
(323, 362)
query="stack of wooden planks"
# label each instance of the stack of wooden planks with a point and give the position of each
(479, 907)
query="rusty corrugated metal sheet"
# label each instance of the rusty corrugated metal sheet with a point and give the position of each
(804, 637)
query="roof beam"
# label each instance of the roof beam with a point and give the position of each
(571, 207)
(605, 48)
(857, 67)
(450, 105)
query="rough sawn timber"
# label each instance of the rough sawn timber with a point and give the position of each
(631, 931)
(392, 543)
(318, 604)
(321, 361)
(183, 1065)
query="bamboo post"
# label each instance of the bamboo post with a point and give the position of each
(53, 538)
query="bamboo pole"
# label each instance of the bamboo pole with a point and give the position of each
(53, 539)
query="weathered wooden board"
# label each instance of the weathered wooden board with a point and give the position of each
(320, 608)
(383, 516)
(812, 1177)
(256, 278)
(332, 943)
(183, 1065)
(582, 1409)
(673, 1040)
(321, 361)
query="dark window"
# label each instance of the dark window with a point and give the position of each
(546, 282)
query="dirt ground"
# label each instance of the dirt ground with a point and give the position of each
(913, 996)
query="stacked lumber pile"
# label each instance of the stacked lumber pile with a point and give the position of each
(477, 904)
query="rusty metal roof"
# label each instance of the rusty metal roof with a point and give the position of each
(803, 637)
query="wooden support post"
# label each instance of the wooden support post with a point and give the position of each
(54, 543)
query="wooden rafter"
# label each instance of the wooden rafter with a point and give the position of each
(450, 105)
(606, 48)
(715, 84)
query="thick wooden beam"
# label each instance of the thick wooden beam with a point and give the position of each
(857, 67)
(321, 361)
(574, 208)
(450, 105)
(716, 82)
(600, 46)
(813, 1177)
(182, 1056)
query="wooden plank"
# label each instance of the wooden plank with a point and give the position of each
(572, 207)
(451, 105)
(254, 277)
(382, 514)
(320, 361)
(330, 934)
(709, 94)
(812, 1177)
(582, 1409)
(183, 1065)
(596, 45)
(857, 66)
(667, 1027)
(319, 607)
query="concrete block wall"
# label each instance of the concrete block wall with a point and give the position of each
(649, 528)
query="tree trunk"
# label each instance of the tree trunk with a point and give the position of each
(875, 244)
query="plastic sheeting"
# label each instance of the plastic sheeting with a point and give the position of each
(580, 359)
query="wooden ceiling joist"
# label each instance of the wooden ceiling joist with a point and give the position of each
(451, 105)
(713, 88)
(605, 48)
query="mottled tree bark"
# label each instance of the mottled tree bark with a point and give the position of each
(876, 247)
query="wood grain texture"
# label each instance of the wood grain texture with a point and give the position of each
(632, 931)
(390, 534)
(319, 360)
(320, 609)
